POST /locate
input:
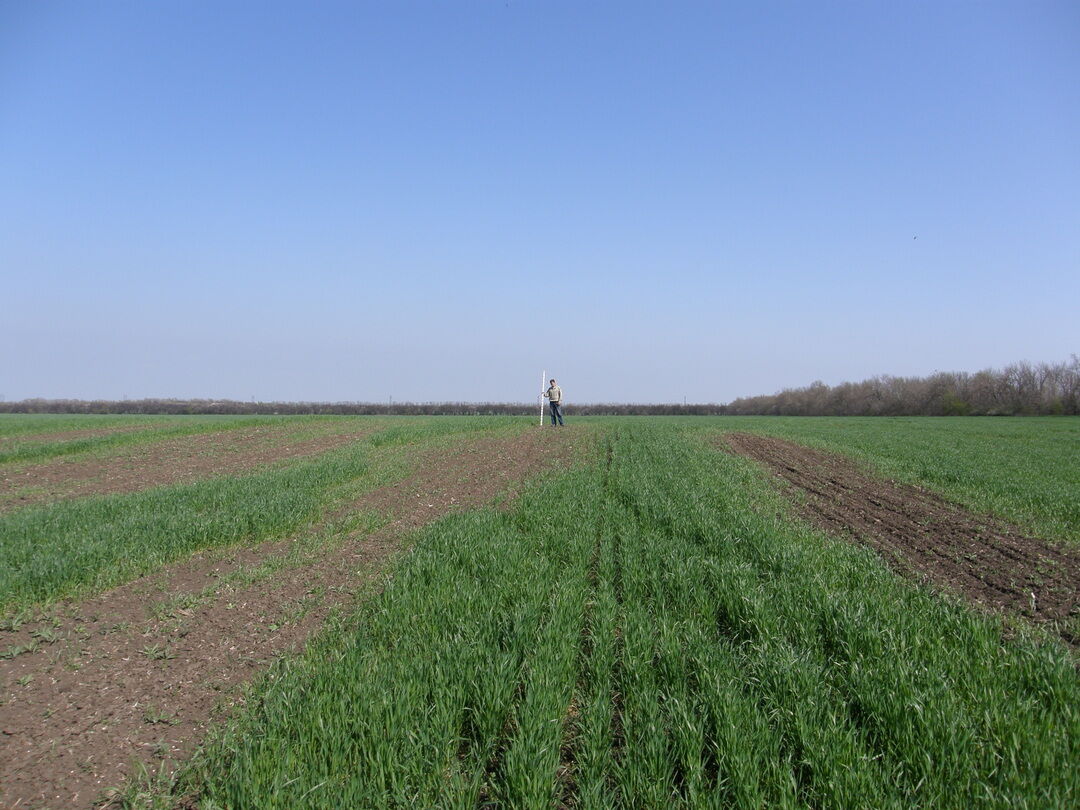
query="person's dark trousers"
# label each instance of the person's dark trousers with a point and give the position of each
(556, 413)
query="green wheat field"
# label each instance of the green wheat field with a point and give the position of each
(648, 625)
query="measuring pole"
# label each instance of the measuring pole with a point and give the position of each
(542, 375)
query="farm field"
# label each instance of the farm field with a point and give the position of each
(473, 611)
(1024, 469)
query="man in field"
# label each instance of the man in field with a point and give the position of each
(554, 395)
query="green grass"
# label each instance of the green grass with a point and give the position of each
(645, 632)
(79, 546)
(641, 632)
(1023, 469)
(158, 428)
(22, 424)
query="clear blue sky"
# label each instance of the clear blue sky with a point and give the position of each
(436, 201)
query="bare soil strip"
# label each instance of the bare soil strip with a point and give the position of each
(922, 535)
(173, 461)
(77, 433)
(139, 673)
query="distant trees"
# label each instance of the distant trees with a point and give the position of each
(233, 407)
(1021, 388)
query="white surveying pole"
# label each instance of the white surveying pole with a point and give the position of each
(542, 375)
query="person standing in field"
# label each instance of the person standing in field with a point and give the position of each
(554, 395)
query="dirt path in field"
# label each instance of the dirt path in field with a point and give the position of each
(921, 534)
(139, 673)
(172, 461)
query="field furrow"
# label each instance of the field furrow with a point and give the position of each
(170, 461)
(151, 661)
(645, 623)
(925, 536)
(669, 642)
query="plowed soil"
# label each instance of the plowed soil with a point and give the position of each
(924, 536)
(72, 435)
(172, 461)
(138, 674)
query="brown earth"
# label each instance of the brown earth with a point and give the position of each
(172, 461)
(922, 535)
(139, 673)
(80, 433)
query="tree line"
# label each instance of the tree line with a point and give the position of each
(1018, 389)
(240, 408)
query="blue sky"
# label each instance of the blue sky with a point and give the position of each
(436, 201)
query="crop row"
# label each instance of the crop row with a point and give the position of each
(1023, 469)
(85, 545)
(17, 449)
(648, 633)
